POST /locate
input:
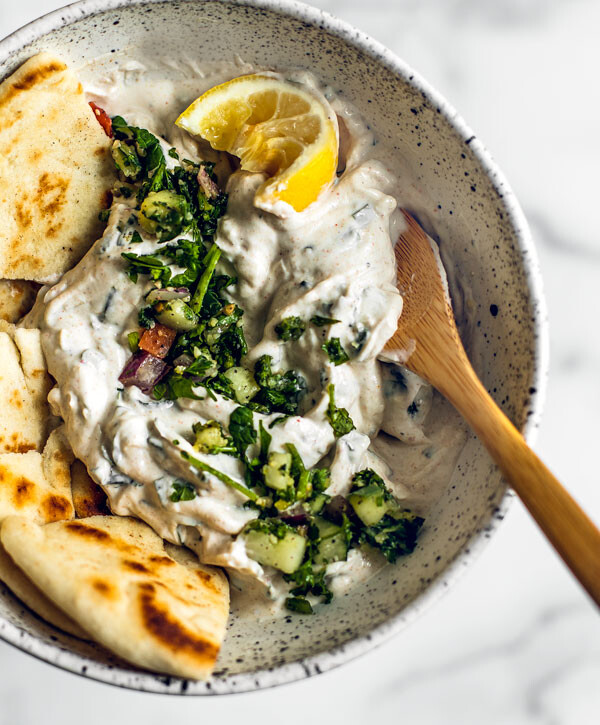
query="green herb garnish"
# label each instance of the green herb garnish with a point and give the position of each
(339, 418)
(323, 321)
(182, 491)
(335, 352)
(290, 328)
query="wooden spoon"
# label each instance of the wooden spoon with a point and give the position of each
(427, 332)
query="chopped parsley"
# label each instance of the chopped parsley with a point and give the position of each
(280, 392)
(146, 317)
(182, 491)
(241, 429)
(339, 418)
(319, 321)
(290, 328)
(335, 352)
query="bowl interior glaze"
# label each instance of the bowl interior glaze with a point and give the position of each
(484, 233)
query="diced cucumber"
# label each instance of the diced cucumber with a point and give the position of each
(176, 315)
(277, 471)
(209, 436)
(333, 545)
(326, 528)
(126, 160)
(243, 384)
(316, 505)
(369, 504)
(165, 214)
(285, 554)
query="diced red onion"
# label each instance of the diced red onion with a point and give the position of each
(295, 519)
(208, 186)
(143, 370)
(167, 293)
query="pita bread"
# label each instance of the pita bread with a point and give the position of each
(22, 587)
(16, 298)
(55, 171)
(37, 485)
(88, 498)
(24, 385)
(156, 609)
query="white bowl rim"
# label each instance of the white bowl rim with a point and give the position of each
(323, 661)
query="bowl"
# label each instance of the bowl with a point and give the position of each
(480, 226)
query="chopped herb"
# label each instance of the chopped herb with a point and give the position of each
(147, 264)
(145, 317)
(290, 328)
(309, 581)
(277, 421)
(126, 160)
(323, 321)
(265, 441)
(104, 215)
(182, 491)
(335, 352)
(176, 386)
(210, 262)
(280, 392)
(297, 467)
(394, 535)
(200, 465)
(173, 154)
(339, 418)
(299, 605)
(241, 429)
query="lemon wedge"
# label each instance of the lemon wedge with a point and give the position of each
(277, 127)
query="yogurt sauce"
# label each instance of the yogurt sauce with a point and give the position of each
(335, 259)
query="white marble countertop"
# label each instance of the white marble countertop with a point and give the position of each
(515, 641)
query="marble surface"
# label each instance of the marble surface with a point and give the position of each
(515, 641)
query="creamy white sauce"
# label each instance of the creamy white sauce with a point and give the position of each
(335, 259)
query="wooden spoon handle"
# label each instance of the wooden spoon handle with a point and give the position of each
(565, 524)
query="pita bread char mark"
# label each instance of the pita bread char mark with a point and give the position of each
(37, 485)
(153, 605)
(24, 384)
(55, 171)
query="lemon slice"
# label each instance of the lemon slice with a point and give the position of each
(283, 129)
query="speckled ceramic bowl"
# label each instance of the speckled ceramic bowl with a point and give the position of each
(485, 234)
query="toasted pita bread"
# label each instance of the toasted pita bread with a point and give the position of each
(38, 485)
(55, 171)
(25, 417)
(22, 587)
(88, 498)
(16, 298)
(159, 610)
